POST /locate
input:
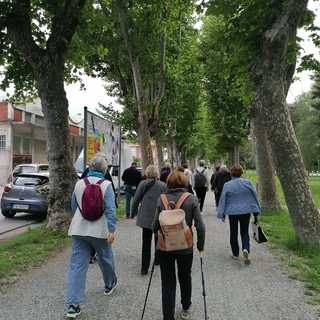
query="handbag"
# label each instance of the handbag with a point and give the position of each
(258, 233)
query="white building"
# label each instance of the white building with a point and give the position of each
(22, 136)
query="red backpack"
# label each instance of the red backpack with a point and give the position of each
(92, 200)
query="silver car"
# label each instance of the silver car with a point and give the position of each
(26, 193)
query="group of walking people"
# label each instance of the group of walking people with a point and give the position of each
(146, 208)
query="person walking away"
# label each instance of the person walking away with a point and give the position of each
(108, 177)
(212, 180)
(131, 178)
(189, 175)
(98, 234)
(201, 182)
(238, 201)
(222, 176)
(147, 194)
(177, 184)
(165, 172)
(189, 185)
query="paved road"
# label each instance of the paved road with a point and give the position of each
(234, 291)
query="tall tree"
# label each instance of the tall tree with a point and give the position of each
(270, 42)
(269, 80)
(38, 35)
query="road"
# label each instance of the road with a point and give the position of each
(21, 222)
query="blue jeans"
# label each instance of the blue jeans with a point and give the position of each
(243, 220)
(79, 262)
(167, 262)
(130, 192)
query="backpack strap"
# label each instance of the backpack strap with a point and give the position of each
(179, 203)
(181, 200)
(165, 201)
(86, 181)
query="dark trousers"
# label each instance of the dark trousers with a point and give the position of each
(243, 220)
(130, 191)
(218, 195)
(146, 248)
(167, 263)
(201, 195)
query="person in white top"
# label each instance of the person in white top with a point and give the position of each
(201, 182)
(188, 173)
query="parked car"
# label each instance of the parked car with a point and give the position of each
(28, 167)
(26, 193)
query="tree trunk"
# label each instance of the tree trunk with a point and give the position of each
(268, 76)
(141, 96)
(62, 174)
(159, 153)
(267, 189)
(48, 66)
(236, 155)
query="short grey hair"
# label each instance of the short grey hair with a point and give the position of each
(201, 163)
(97, 163)
(167, 165)
(152, 172)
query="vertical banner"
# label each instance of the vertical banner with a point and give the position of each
(103, 136)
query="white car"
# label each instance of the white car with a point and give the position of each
(28, 167)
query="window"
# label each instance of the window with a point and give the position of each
(26, 146)
(16, 145)
(2, 142)
(27, 117)
(39, 120)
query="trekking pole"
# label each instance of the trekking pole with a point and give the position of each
(145, 301)
(203, 288)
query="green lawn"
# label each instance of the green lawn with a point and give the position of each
(302, 261)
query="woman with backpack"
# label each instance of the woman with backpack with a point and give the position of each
(91, 230)
(177, 184)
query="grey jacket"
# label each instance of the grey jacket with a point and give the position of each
(146, 211)
(192, 211)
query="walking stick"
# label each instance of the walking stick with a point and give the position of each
(145, 301)
(203, 288)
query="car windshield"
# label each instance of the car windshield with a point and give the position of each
(24, 169)
(30, 181)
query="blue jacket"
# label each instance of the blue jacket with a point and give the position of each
(238, 197)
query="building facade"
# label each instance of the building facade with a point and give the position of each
(23, 139)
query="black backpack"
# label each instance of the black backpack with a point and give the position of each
(200, 179)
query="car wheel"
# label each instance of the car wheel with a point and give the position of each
(8, 214)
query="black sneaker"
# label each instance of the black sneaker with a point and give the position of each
(73, 311)
(93, 259)
(109, 290)
(144, 272)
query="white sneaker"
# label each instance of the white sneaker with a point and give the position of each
(246, 256)
(235, 257)
(185, 314)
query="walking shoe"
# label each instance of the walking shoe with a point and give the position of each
(247, 260)
(235, 257)
(144, 272)
(93, 259)
(185, 314)
(73, 311)
(109, 290)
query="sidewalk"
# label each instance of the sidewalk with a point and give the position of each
(234, 291)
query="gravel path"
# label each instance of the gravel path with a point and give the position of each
(234, 291)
